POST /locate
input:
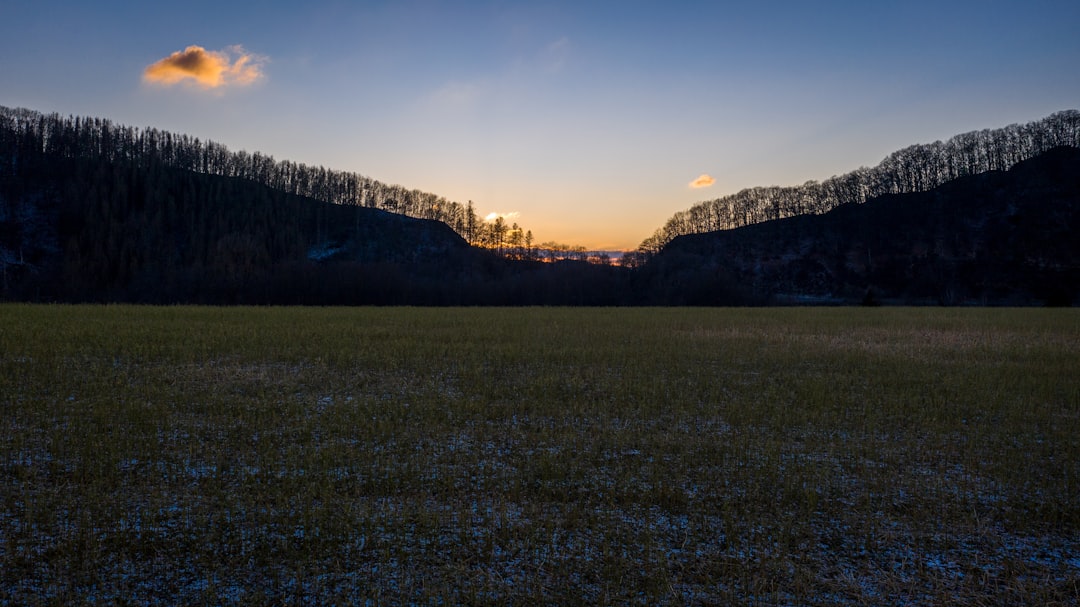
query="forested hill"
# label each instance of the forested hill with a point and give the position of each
(94, 212)
(917, 168)
(76, 229)
(32, 134)
(997, 238)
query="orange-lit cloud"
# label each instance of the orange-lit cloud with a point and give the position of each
(505, 216)
(703, 181)
(207, 69)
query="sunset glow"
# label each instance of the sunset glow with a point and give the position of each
(506, 216)
(589, 123)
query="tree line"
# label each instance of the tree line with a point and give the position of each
(90, 215)
(28, 134)
(917, 168)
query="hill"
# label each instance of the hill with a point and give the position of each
(87, 229)
(996, 238)
(77, 229)
(92, 211)
(916, 168)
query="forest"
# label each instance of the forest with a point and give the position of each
(917, 168)
(993, 238)
(99, 212)
(32, 135)
(95, 211)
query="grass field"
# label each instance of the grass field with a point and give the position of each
(153, 456)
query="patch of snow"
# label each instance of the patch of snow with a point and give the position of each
(324, 251)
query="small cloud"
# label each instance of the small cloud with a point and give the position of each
(703, 181)
(556, 54)
(493, 216)
(457, 94)
(207, 69)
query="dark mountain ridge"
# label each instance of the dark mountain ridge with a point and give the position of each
(26, 135)
(916, 168)
(92, 211)
(103, 213)
(996, 238)
(84, 229)
(91, 230)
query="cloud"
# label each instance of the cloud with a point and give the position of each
(207, 69)
(457, 94)
(703, 181)
(493, 216)
(556, 54)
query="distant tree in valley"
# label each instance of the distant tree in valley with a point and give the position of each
(528, 241)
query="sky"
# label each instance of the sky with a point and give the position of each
(588, 123)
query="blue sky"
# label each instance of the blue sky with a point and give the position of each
(587, 120)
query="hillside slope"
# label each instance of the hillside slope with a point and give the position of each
(998, 238)
(84, 229)
(916, 168)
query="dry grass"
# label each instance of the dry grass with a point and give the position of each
(431, 456)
